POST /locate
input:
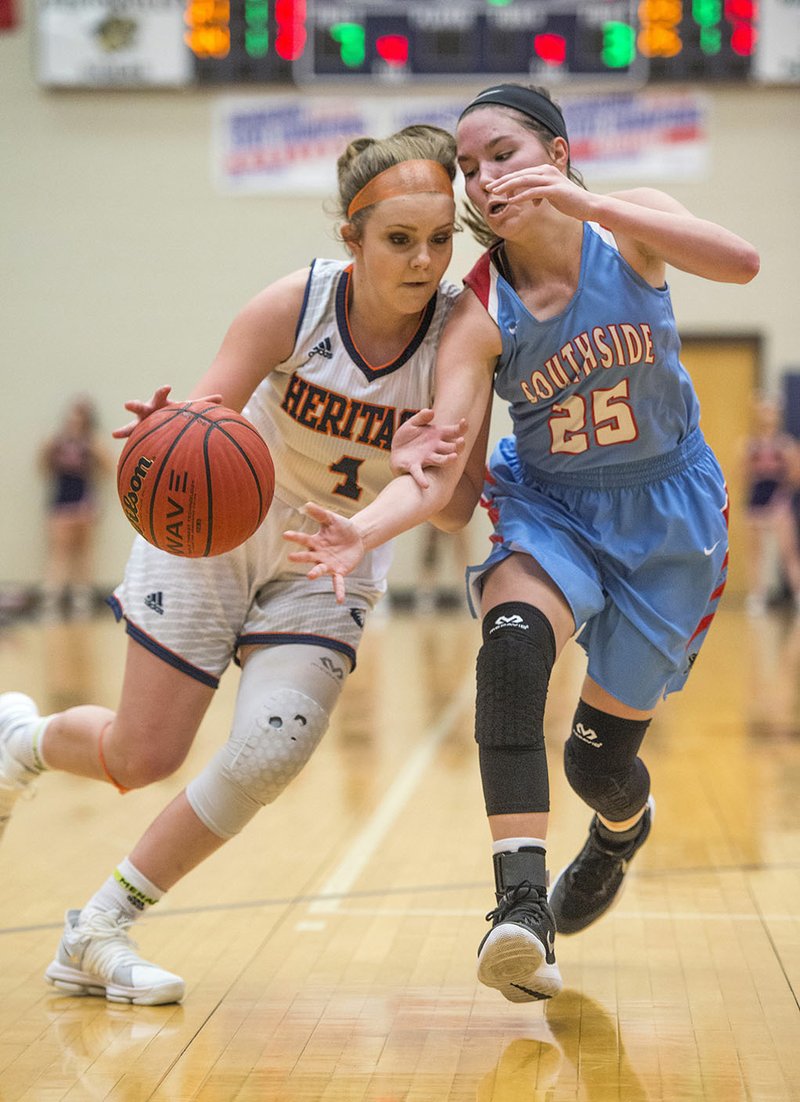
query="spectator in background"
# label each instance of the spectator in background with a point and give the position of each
(74, 461)
(771, 468)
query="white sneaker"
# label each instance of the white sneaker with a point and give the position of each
(15, 709)
(96, 957)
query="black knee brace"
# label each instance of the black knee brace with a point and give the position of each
(513, 671)
(601, 763)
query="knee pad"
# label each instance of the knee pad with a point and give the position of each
(275, 731)
(601, 762)
(513, 672)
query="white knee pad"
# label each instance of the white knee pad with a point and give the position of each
(282, 712)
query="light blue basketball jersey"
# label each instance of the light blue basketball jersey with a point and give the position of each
(607, 482)
(600, 384)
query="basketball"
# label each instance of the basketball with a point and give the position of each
(195, 479)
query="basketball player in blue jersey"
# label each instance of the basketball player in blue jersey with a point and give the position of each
(327, 363)
(610, 510)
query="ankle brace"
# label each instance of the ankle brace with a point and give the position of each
(511, 869)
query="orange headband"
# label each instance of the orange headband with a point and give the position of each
(405, 178)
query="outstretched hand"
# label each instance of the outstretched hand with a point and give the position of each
(336, 548)
(420, 443)
(159, 400)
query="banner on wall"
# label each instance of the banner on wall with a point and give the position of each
(285, 144)
(289, 144)
(650, 136)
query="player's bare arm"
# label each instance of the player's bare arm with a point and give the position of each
(459, 509)
(261, 336)
(653, 229)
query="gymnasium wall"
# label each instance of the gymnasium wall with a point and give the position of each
(121, 266)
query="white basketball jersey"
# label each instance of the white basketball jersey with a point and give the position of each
(327, 415)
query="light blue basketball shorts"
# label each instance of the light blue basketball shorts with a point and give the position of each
(639, 551)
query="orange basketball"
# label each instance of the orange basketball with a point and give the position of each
(195, 479)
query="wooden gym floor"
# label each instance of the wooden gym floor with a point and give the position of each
(329, 951)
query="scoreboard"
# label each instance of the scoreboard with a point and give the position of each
(547, 41)
(469, 39)
(347, 42)
(400, 40)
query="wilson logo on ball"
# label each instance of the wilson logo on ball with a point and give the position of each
(195, 479)
(130, 500)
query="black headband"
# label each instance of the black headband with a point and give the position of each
(529, 102)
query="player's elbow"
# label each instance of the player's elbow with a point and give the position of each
(451, 522)
(753, 265)
(457, 511)
(748, 264)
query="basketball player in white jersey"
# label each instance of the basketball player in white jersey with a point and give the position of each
(327, 363)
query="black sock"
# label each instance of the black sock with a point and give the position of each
(621, 838)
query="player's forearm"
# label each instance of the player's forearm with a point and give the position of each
(400, 506)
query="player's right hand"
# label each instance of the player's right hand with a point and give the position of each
(419, 442)
(336, 548)
(158, 401)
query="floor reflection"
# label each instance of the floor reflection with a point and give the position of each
(528, 1070)
(96, 1040)
(594, 1049)
(70, 665)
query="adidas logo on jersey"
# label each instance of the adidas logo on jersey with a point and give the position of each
(323, 348)
(156, 602)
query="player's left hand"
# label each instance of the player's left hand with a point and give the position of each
(544, 182)
(336, 548)
(420, 443)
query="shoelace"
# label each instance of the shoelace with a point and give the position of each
(596, 865)
(524, 892)
(107, 940)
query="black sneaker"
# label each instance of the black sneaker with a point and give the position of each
(592, 883)
(517, 956)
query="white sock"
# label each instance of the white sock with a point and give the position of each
(511, 845)
(25, 744)
(127, 890)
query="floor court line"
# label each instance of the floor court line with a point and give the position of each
(657, 916)
(369, 838)
(421, 912)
